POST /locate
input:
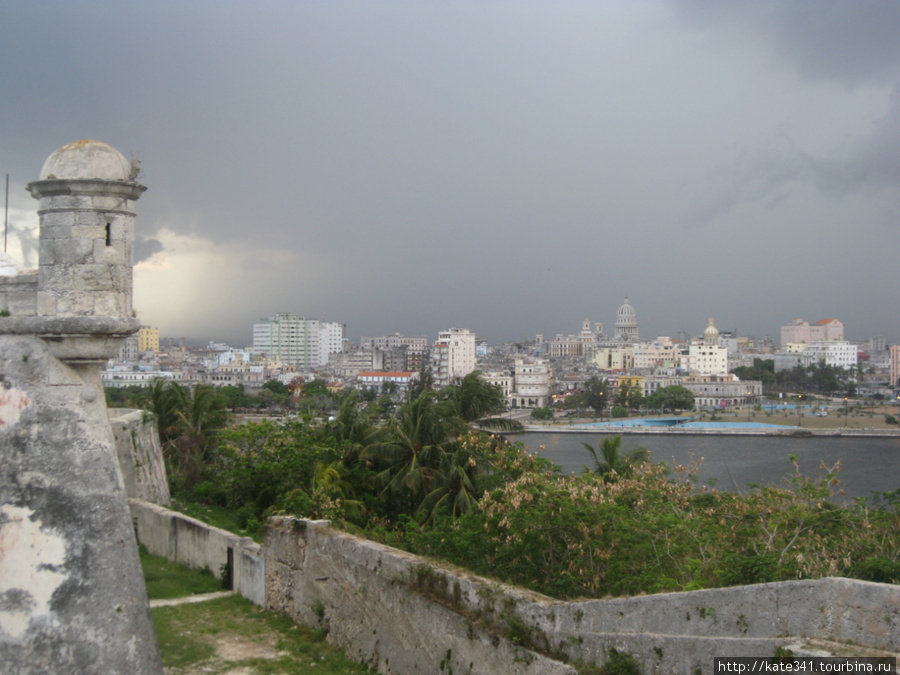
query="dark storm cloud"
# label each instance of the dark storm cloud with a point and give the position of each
(507, 167)
(853, 44)
(835, 40)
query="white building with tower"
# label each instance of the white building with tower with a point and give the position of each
(706, 357)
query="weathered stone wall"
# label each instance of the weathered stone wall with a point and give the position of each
(18, 294)
(183, 539)
(403, 614)
(68, 557)
(384, 607)
(140, 455)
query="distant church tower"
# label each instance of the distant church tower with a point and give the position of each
(626, 323)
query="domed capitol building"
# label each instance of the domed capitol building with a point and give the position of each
(626, 328)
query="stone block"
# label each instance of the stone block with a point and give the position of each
(114, 254)
(75, 303)
(58, 231)
(90, 218)
(55, 277)
(66, 202)
(111, 203)
(111, 304)
(121, 277)
(55, 251)
(57, 218)
(121, 229)
(95, 232)
(92, 277)
(46, 303)
(73, 596)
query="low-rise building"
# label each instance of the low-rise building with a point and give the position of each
(723, 391)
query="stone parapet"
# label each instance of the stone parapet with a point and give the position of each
(401, 613)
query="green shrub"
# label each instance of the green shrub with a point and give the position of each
(877, 569)
(619, 411)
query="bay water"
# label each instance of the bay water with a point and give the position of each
(734, 462)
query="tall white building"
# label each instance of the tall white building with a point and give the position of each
(453, 355)
(838, 353)
(296, 340)
(331, 340)
(706, 357)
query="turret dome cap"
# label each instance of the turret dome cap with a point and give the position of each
(87, 159)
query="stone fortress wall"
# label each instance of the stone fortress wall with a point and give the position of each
(72, 597)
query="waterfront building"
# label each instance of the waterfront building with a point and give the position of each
(723, 391)
(500, 378)
(531, 383)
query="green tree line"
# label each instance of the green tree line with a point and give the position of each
(436, 476)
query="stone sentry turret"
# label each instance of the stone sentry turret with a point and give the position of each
(72, 597)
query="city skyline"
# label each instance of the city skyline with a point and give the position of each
(504, 167)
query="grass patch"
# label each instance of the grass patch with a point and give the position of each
(167, 579)
(228, 634)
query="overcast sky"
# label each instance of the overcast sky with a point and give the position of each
(507, 167)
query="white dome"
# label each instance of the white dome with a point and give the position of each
(87, 159)
(626, 310)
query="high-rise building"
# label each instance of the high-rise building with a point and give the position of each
(453, 355)
(296, 340)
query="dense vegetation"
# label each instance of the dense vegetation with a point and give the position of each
(817, 378)
(427, 477)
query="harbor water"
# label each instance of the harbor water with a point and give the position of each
(734, 462)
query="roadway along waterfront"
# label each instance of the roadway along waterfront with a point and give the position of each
(734, 461)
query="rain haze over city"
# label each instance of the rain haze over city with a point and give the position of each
(508, 167)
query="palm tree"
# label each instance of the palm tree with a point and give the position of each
(609, 464)
(476, 399)
(350, 425)
(455, 490)
(413, 447)
(189, 422)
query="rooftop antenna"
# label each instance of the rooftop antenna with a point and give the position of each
(6, 215)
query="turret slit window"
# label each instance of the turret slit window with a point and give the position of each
(109, 234)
